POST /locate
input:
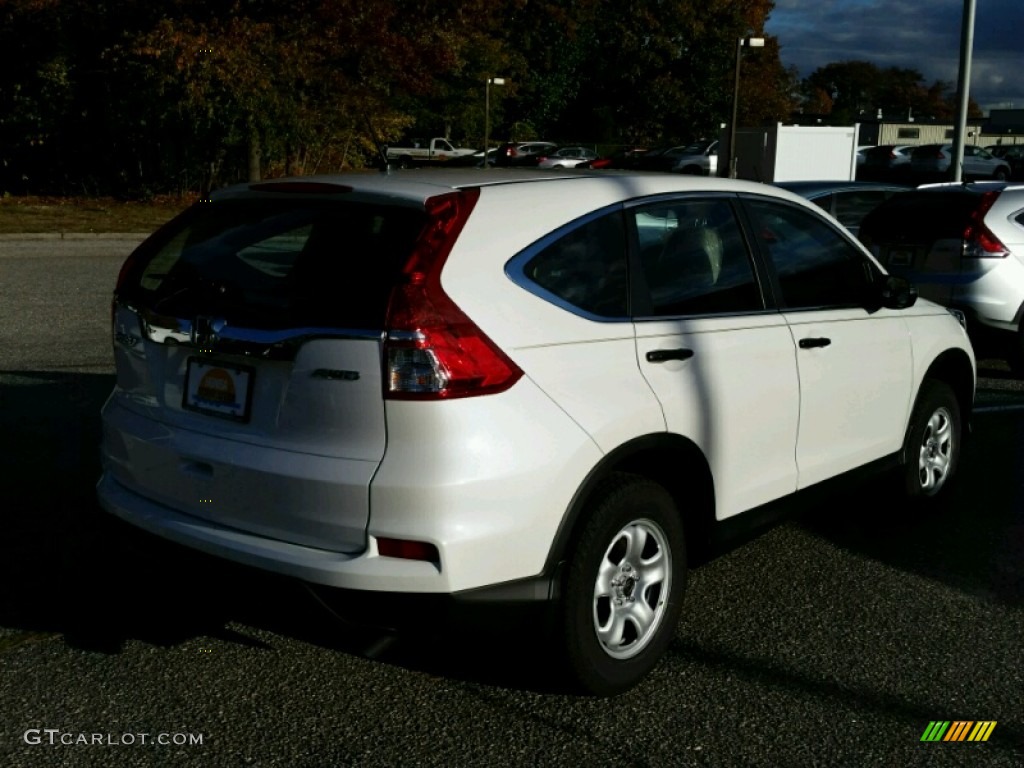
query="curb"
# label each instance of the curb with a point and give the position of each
(76, 236)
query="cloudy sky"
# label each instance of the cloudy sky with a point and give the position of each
(909, 33)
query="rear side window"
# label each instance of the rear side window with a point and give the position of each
(276, 263)
(586, 267)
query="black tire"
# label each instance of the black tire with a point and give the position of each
(1002, 174)
(624, 586)
(933, 443)
(1014, 351)
(405, 162)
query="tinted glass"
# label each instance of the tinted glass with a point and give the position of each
(815, 265)
(586, 267)
(695, 260)
(852, 206)
(276, 263)
(920, 217)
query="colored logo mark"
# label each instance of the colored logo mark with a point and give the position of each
(958, 730)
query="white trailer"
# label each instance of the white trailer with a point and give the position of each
(794, 153)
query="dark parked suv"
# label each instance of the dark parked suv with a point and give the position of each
(963, 246)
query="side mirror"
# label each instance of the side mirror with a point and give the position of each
(898, 293)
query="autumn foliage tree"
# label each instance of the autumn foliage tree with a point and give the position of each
(134, 97)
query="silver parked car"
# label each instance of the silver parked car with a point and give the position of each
(566, 157)
(933, 161)
(697, 159)
(886, 161)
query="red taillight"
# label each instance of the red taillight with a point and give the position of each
(432, 349)
(980, 242)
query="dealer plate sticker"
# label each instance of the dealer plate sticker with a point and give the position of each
(218, 389)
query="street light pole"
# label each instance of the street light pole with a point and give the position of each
(963, 89)
(752, 42)
(487, 112)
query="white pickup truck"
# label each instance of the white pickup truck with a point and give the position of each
(428, 151)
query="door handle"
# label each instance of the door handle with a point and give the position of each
(662, 355)
(814, 342)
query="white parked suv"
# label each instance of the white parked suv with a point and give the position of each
(963, 245)
(398, 383)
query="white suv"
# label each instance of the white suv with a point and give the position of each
(400, 384)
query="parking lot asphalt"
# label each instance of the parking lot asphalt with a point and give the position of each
(835, 639)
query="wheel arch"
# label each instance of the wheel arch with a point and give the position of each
(674, 462)
(955, 369)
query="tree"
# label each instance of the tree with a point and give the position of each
(634, 71)
(849, 91)
(135, 97)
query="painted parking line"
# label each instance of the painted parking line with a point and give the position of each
(998, 408)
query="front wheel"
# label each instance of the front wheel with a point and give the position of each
(932, 449)
(624, 587)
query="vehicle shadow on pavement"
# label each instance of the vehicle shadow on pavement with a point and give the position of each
(68, 568)
(972, 541)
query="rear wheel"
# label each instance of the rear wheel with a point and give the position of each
(624, 587)
(1002, 174)
(932, 448)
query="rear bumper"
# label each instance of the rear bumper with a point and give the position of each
(364, 590)
(366, 570)
(489, 492)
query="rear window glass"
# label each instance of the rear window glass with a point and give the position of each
(277, 263)
(921, 216)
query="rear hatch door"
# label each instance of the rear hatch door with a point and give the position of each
(248, 339)
(920, 235)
